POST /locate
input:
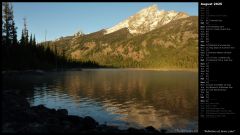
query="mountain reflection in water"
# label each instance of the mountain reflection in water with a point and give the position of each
(122, 97)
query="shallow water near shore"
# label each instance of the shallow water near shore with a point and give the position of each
(120, 97)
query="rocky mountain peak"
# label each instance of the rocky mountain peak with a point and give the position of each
(147, 19)
(153, 8)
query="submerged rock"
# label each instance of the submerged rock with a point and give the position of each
(134, 130)
(75, 119)
(89, 123)
(62, 111)
(151, 129)
(163, 130)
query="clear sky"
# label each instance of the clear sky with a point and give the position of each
(64, 19)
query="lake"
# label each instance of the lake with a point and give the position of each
(121, 97)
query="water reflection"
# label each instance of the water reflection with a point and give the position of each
(163, 99)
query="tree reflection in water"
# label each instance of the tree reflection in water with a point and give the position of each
(139, 98)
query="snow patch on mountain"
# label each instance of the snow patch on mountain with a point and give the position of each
(146, 20)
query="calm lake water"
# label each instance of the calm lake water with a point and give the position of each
(121, 97)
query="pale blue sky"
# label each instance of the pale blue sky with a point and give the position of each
(64, 19)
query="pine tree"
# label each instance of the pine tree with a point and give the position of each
(6, 23)
(24, 38)
(34, 40)
(25, 30)
(9, 32)
(14, 34)
(56, 58)
(13, 29)
(31, 40)
(3, 28)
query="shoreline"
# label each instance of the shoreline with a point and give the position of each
(19, 117)
(101, 68)
(158, 69)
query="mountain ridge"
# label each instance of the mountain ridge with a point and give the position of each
(174, 45)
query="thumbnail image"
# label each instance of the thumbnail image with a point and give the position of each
(99, 67)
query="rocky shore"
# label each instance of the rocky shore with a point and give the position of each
(19, 117)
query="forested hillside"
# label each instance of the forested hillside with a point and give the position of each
(174, 45)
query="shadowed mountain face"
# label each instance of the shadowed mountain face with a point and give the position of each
(170, 41)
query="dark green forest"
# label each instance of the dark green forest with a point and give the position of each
(25, 53)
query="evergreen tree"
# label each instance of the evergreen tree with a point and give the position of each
(24, 37)
(31, 40)
(14, 35)
(13, 29)
(55, 49)
(34, 40)
(3, 28)
(22, 40)
(6, 23)
(9, 32)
